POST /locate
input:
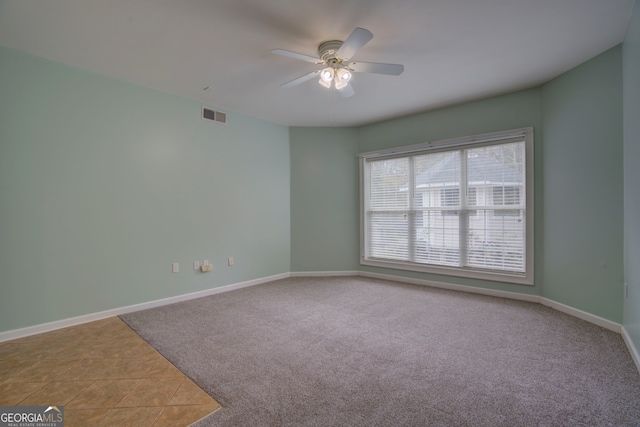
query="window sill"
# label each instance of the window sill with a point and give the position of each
(519, 279)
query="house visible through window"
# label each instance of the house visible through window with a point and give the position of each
(506, 196)
(456, 207)
(450, 197)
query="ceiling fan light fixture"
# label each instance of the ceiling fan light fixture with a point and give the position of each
(341, 84)
(342, 78)
(327, 74)
(325, 83)
(343, 75)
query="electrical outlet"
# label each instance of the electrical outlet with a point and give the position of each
(205, 262)
(231, 261)
(196, 265)
(175, 267)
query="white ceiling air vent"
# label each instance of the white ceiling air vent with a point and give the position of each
(216, 116)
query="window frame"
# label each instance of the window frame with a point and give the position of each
(522, 134)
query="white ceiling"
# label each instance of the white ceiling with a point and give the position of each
(453, 50)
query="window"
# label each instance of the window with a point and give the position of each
(450, 197)
(509, 195)
(460, 207)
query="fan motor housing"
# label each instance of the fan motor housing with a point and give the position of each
(327, 52)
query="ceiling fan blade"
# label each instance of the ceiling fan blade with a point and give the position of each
(297, 55)
(356, 40)
(300, 79)
(346, 91)
(377, 68)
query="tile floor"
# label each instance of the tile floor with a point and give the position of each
(103, 374)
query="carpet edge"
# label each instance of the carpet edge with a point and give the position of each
(91, 317)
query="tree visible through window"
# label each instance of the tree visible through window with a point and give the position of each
(462, 208)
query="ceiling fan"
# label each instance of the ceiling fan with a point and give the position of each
(338, 69)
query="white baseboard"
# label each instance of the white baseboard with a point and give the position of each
(73, 321)
(452, 287)
(59, 324)
(592, 318)
(324, 273)
(632, 348)
(608, 324)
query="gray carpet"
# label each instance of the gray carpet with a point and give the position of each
(362, 352)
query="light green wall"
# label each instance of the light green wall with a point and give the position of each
(582, 208)
(631, 102)
(506, 112)
(324, 194)
(103, 184)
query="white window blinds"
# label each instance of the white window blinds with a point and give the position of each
(461, 209)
